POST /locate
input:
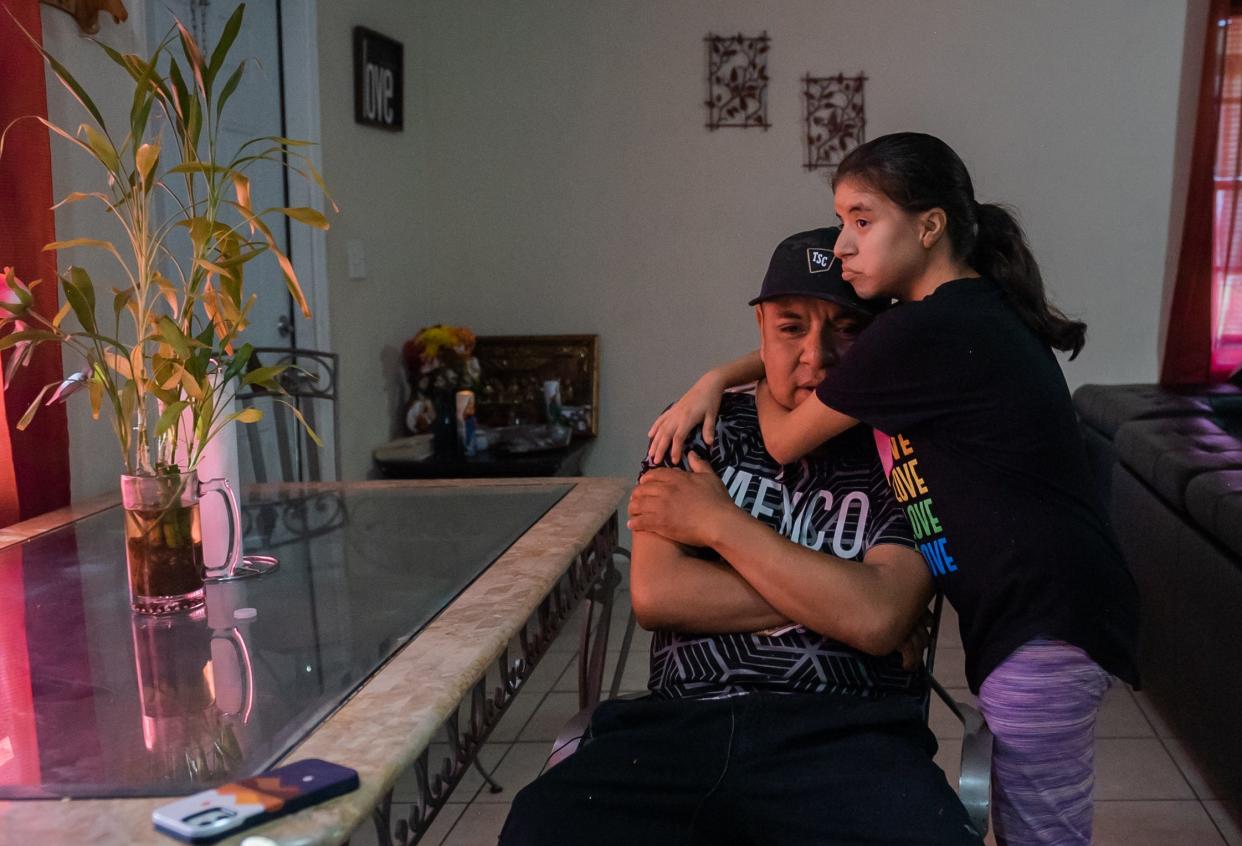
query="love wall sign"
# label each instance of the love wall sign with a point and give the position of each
(378, 77)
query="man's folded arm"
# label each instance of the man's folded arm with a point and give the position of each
(670, 589)
(872, 606)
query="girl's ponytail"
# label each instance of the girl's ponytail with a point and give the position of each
(1002, 254)
(920, 172)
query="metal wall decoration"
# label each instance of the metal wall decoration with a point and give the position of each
(86, 12)
(834, 116)
(737, 80)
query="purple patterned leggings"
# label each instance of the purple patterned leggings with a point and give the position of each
(1041, 704)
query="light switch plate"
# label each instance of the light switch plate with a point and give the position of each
(356, 255)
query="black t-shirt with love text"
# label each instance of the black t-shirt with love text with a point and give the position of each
(989, 464)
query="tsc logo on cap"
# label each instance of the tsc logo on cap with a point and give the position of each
(819, 260)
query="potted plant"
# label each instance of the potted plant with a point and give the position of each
(162, 360)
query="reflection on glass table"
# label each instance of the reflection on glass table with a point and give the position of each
(98, 702)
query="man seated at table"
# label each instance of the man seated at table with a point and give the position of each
(762, 725)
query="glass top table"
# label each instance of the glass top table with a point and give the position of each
(96, 701)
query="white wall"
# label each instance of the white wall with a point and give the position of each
(94, 456)
(555, 174)
(378, 178)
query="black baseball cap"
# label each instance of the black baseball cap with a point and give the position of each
(803, 265)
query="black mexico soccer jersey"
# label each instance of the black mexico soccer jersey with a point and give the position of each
(837, 501)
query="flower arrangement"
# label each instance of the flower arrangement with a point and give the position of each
(162, 367)
(439, 361)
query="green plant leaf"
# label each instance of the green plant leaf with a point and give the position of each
(171, 415)
(241, 187)
(137, 362)
(120, 363)
(36, 335)
(67, 79)
(96, 390)
(128, 402)
(81, 280)
(265, 376)
(119, 301)
(101, 147)
(169, 290)
(233, 262)
(227, 36)
(314, 436)
(63, 134)
(193, 56)
(34, 406)
(125, 60)
(106, 246)
(147, 157)
(180, 93)
(80, 294)
(307, 215)
(193, 123)
(192, 386)
(165, 396)
(277, 139)
(197, 167)
(286, 266)
(229, 87)
(318, 177)
(172, 333)
(238, 363)
(61, 315)
(140, 107)
(79, 196)
(202, 422)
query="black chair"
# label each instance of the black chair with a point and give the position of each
(280, 448)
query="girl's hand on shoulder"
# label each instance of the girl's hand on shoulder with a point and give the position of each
(699, 406)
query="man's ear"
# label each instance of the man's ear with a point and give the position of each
(933, 226)
(759, 320)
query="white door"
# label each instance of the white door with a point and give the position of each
(254, 110)
(272, 449)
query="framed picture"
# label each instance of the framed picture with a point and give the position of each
(379, 80)
(515, 369)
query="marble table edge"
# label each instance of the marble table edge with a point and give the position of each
(415, 690)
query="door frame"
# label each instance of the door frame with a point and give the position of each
(308, 246)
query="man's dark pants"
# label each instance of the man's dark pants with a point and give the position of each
(752, 769)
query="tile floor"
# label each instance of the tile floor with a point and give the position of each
(1148, 790)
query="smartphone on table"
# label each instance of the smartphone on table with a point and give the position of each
(212, 814)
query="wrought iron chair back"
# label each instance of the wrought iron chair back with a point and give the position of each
(311, 390)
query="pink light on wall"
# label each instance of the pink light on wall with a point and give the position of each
(19, 741)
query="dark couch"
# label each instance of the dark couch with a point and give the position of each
(1169, 467)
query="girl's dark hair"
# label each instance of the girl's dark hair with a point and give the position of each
(920, 172)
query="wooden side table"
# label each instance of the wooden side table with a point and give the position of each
(486, 465)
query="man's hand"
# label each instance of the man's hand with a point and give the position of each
(687, 508)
